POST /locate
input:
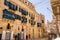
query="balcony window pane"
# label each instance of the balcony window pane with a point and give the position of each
(11, 6)
(24, 12)
(6, 2)
(32, 17)
(20, 10)
(17, 17)
(32, 22)
(39, 24)
(16, 7)
(8, 15)
(42, 21)
(24, 20)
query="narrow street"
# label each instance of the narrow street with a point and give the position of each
(39, 39)
(29, 19)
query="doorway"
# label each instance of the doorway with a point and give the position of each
(0, 36)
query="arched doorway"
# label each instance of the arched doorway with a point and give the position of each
(29, 36)
(26, 37)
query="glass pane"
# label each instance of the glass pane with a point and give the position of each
(8, 15)
(24, 20)
(39, 25)
(6, 3)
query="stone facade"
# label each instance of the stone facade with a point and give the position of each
(20, 16)
(56, 11)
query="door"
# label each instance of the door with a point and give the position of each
(0, 36)
(8, 36)
(19, 36)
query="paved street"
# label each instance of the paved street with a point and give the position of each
(40, 39)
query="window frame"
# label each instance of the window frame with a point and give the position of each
(24, 20)
(39, 25)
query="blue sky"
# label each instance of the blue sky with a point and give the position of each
(43, 7)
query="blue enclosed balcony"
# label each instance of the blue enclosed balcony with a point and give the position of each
(24, 20)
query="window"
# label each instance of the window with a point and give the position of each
(24, 12)
(17, 17)
(42, 21)
(8, 15)
(32, 22)
(0, 27)
(18, 28)
(29, 21)
(39, 24)
(5, 11)
(20, 9)
(16, 7)
(22, 29)
(29, 14)
(8, 26)
(32, 17)
(11, 6)
(24, 20)
(6, 2)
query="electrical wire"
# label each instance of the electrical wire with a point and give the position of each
(41, 3)
(38, 3)
(50, 10)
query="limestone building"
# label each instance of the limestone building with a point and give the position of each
(18, 16)
(56, 11)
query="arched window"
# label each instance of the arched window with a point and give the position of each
(8, 26)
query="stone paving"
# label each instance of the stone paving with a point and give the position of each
(40, 39)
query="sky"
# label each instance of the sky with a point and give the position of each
(43, 7)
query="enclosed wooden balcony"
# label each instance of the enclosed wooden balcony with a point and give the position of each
(55, 7)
